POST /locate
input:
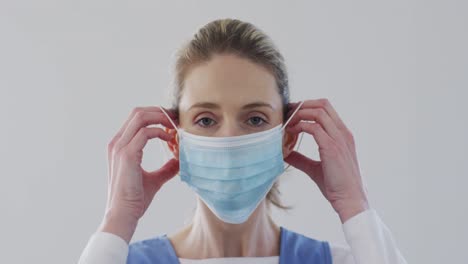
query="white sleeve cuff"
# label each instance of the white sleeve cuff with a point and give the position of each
(370, 240)
(104, 248)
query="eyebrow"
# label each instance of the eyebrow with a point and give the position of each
(204, 105)
(216, 106)
(257, 104)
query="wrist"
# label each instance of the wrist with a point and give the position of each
(119, 224)
(348, 209)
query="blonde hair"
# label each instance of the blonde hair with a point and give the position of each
(233, 36)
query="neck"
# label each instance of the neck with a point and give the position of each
(259, 236)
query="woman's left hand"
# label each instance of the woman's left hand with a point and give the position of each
(337, 173)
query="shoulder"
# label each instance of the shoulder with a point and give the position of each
(292, 238)
(153, 250)
(296, 245)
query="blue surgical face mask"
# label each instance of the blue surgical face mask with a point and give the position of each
(232, 175)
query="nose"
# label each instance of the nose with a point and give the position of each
(230, 128)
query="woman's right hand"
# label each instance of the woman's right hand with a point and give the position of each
(131, 188)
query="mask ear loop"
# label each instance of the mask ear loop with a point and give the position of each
(282, 128)
(295, 111)
(287, 122)
(170, 120)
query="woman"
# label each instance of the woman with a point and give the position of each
(230, 128)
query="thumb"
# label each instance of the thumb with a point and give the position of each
(307, 165)
(163, 174)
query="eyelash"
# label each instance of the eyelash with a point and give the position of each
(198, 122)
(263, 121)
(201, 119)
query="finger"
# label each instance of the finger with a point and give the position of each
(136, 110)
(293, 104)
(140, 120)
(291, 107)
(173, 116)
(171, 112)
(346, 133)
(309, 166)
(301, 162)
(321, 116)
(112, 145)
(134, 150)
(142, 137)
(325, 104)
(324, 141)
(153, 181)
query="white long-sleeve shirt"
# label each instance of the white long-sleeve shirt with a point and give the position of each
(369, 241)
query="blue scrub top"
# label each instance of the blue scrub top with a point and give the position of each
(294, 248)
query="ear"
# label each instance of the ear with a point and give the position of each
(173, 143)
(289, 141)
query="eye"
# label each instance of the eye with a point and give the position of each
(205, 122)
(256, 121)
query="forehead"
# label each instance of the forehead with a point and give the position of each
(229, 80)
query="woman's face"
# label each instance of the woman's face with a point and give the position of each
(230, 96)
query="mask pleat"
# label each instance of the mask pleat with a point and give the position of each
(232, 174)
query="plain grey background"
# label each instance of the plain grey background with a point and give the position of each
(71, 72)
